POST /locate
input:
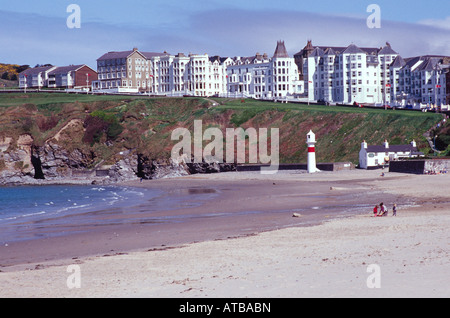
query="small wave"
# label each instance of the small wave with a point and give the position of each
(98, 189)
(75, 206)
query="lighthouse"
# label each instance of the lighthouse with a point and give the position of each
(311, 142)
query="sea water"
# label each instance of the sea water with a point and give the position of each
(30, 206)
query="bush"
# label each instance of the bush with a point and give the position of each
(98, 123)
(48, 123)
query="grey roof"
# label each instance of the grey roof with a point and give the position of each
(330, 51)
(125, 54)
(65, 69)
(392, 148)
(149, 55)
(36, 70)
(115, 55)
(340, 49)
(411, 61)
(250, 59)
(352, 49)
(280, 50)
(429, 64)
(399, 62)
(428, 61)
(317, 52)
(387, 49)
(217, 58)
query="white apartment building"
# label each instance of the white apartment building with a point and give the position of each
(199, 74)
(261, 77)
(346, 75)
(193, 75)
(36, 77)
(421, 81)
(374, 76)
(162, 73)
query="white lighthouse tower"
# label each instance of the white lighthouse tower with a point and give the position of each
(311, 142)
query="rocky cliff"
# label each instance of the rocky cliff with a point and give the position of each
(82, 139)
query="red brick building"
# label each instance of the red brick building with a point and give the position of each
(72, 76)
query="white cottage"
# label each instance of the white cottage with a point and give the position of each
(373, 156)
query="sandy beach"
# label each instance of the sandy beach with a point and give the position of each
(264, 254)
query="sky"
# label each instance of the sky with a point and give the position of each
(36, 32)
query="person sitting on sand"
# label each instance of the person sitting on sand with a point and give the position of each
(383, 210)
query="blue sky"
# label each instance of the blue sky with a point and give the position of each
(35, 32)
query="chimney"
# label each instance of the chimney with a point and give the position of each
(386, 144)
(413, 143)
(364, 145)
(135, 49)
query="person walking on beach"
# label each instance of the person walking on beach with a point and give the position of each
(394, 210)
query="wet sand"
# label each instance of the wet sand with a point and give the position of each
(244, 242)
(193, 209)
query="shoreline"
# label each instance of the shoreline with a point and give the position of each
(411, 188)
(265, 203)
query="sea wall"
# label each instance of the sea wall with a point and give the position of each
(333, 166)
(423, 166)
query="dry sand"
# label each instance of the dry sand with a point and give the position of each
(410, 254)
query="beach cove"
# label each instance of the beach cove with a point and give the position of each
(242, 240)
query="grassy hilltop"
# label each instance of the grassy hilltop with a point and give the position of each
(104, 126)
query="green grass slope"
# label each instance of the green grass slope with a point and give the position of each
(145, 125)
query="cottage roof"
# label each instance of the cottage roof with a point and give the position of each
(391, 148)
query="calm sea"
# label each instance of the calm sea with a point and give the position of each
(32, 206)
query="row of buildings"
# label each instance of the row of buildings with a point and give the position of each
(344, 75)
(259, 76)
(72, 76)
(376, 76)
